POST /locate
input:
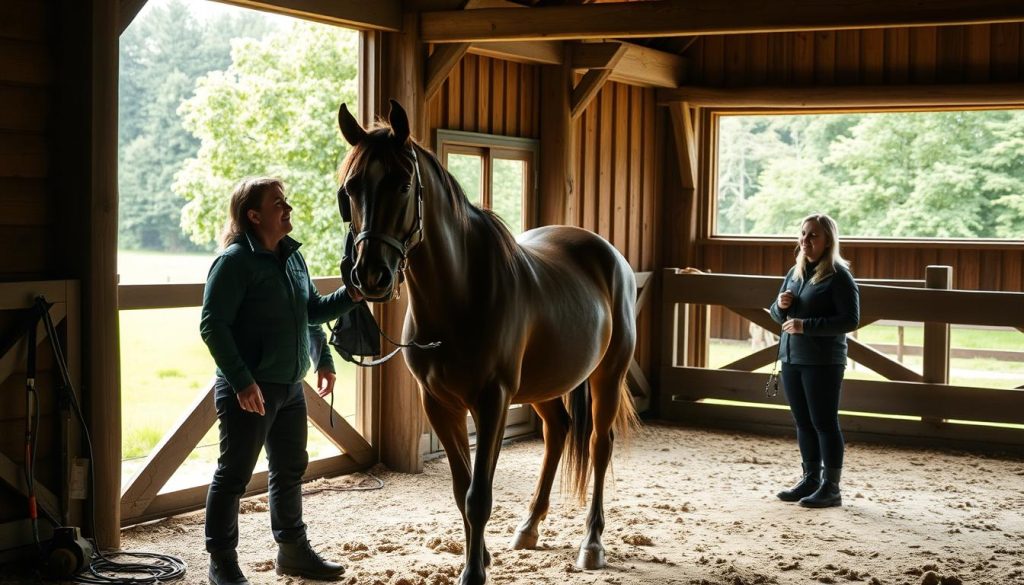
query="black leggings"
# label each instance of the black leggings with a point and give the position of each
(813, 395)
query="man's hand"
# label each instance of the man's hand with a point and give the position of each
(250, 399)
(324, 382)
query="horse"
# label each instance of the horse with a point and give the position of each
(547, 319)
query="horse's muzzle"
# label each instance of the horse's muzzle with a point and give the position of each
(376, 283)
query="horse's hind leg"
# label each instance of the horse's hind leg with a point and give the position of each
(607, 385)
(556, 427)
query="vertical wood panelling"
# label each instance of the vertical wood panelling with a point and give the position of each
(950, 54)
(618, 152)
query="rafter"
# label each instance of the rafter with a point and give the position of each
(702, 17)
(859, 96)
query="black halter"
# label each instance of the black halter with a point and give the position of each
(414, 237)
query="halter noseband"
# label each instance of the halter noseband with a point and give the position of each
(415, 235)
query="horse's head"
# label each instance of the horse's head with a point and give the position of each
(382, 197)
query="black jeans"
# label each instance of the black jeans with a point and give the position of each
(242, 435)
(813, 395)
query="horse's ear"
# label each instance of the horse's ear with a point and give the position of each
(350, 128)
(399, 121)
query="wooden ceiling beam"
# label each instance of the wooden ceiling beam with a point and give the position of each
(440, 64)
(385, 15)
(648, 67)
(856, 96)
(607, 56)
(535, 52)
(703, 17)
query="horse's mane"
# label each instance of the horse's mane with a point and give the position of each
(380, 145)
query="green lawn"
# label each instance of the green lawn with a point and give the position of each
(165, 368)
(979, 372)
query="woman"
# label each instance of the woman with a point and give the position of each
(260, 319)
(818, 304)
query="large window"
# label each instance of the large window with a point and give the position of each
(496, 172)
(956, 174)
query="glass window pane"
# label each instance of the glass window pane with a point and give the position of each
(508, 191)
(466, 168)
(890, 175)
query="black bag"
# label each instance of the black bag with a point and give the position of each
(356, 334)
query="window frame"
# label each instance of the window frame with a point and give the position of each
(708, 147)
(490, 147)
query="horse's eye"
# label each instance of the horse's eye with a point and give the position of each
(406, 187)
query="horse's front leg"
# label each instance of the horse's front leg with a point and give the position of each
(556, 427)
(489, 414)
(449, 424)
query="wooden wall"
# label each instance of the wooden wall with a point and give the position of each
(950, 54)
(898, 56)
(27, 79)
(618, 140)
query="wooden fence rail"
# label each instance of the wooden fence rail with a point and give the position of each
(919, 407)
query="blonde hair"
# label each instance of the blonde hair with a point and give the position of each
(248, 194)
(830, 259)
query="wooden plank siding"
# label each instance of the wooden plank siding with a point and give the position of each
(28, 218)
(896, 56)
(26, 88)
(619, 146)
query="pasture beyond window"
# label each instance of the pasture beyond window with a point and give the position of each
(953, 174)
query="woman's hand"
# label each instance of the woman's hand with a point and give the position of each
(793, 326)
(785, 299)
(353, 294)
(324, 382)
(250, 399)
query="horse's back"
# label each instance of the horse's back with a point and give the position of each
(573, 249)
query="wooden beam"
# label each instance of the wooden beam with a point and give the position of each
(127, 11)
(555, 178)
(12, 474)
(168, 296)
(440, 64)
(186, 500)
(341, 434)
(15, 356)
(704, 17)
(385, 15)
(595, 55)
(643, 281)
(648, 67)
(534, 52)
(169, 454)
(587, 90)
(851, 96)
(883, 397)
(935, 361)
(878, 362)
(751, 362)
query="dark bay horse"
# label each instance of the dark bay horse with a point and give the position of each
(525, 321)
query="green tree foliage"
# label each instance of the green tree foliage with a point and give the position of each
(163, 52)
(273, 111)
(937, 174)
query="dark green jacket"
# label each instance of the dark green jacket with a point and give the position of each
(261, 315)
(830, 309)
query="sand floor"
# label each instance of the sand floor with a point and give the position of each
(686, 506)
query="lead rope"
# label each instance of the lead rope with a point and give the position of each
(771, 388)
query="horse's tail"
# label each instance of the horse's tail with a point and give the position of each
(576, 464)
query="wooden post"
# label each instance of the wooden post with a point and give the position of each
(936, 335)
(85, 151)
(401, 415)
(557, 192)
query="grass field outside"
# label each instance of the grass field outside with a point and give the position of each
(166, 367)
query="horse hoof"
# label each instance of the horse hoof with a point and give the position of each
(590, 558)
(472, 578)
(524, 540)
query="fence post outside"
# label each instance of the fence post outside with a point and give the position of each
(935, 368)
